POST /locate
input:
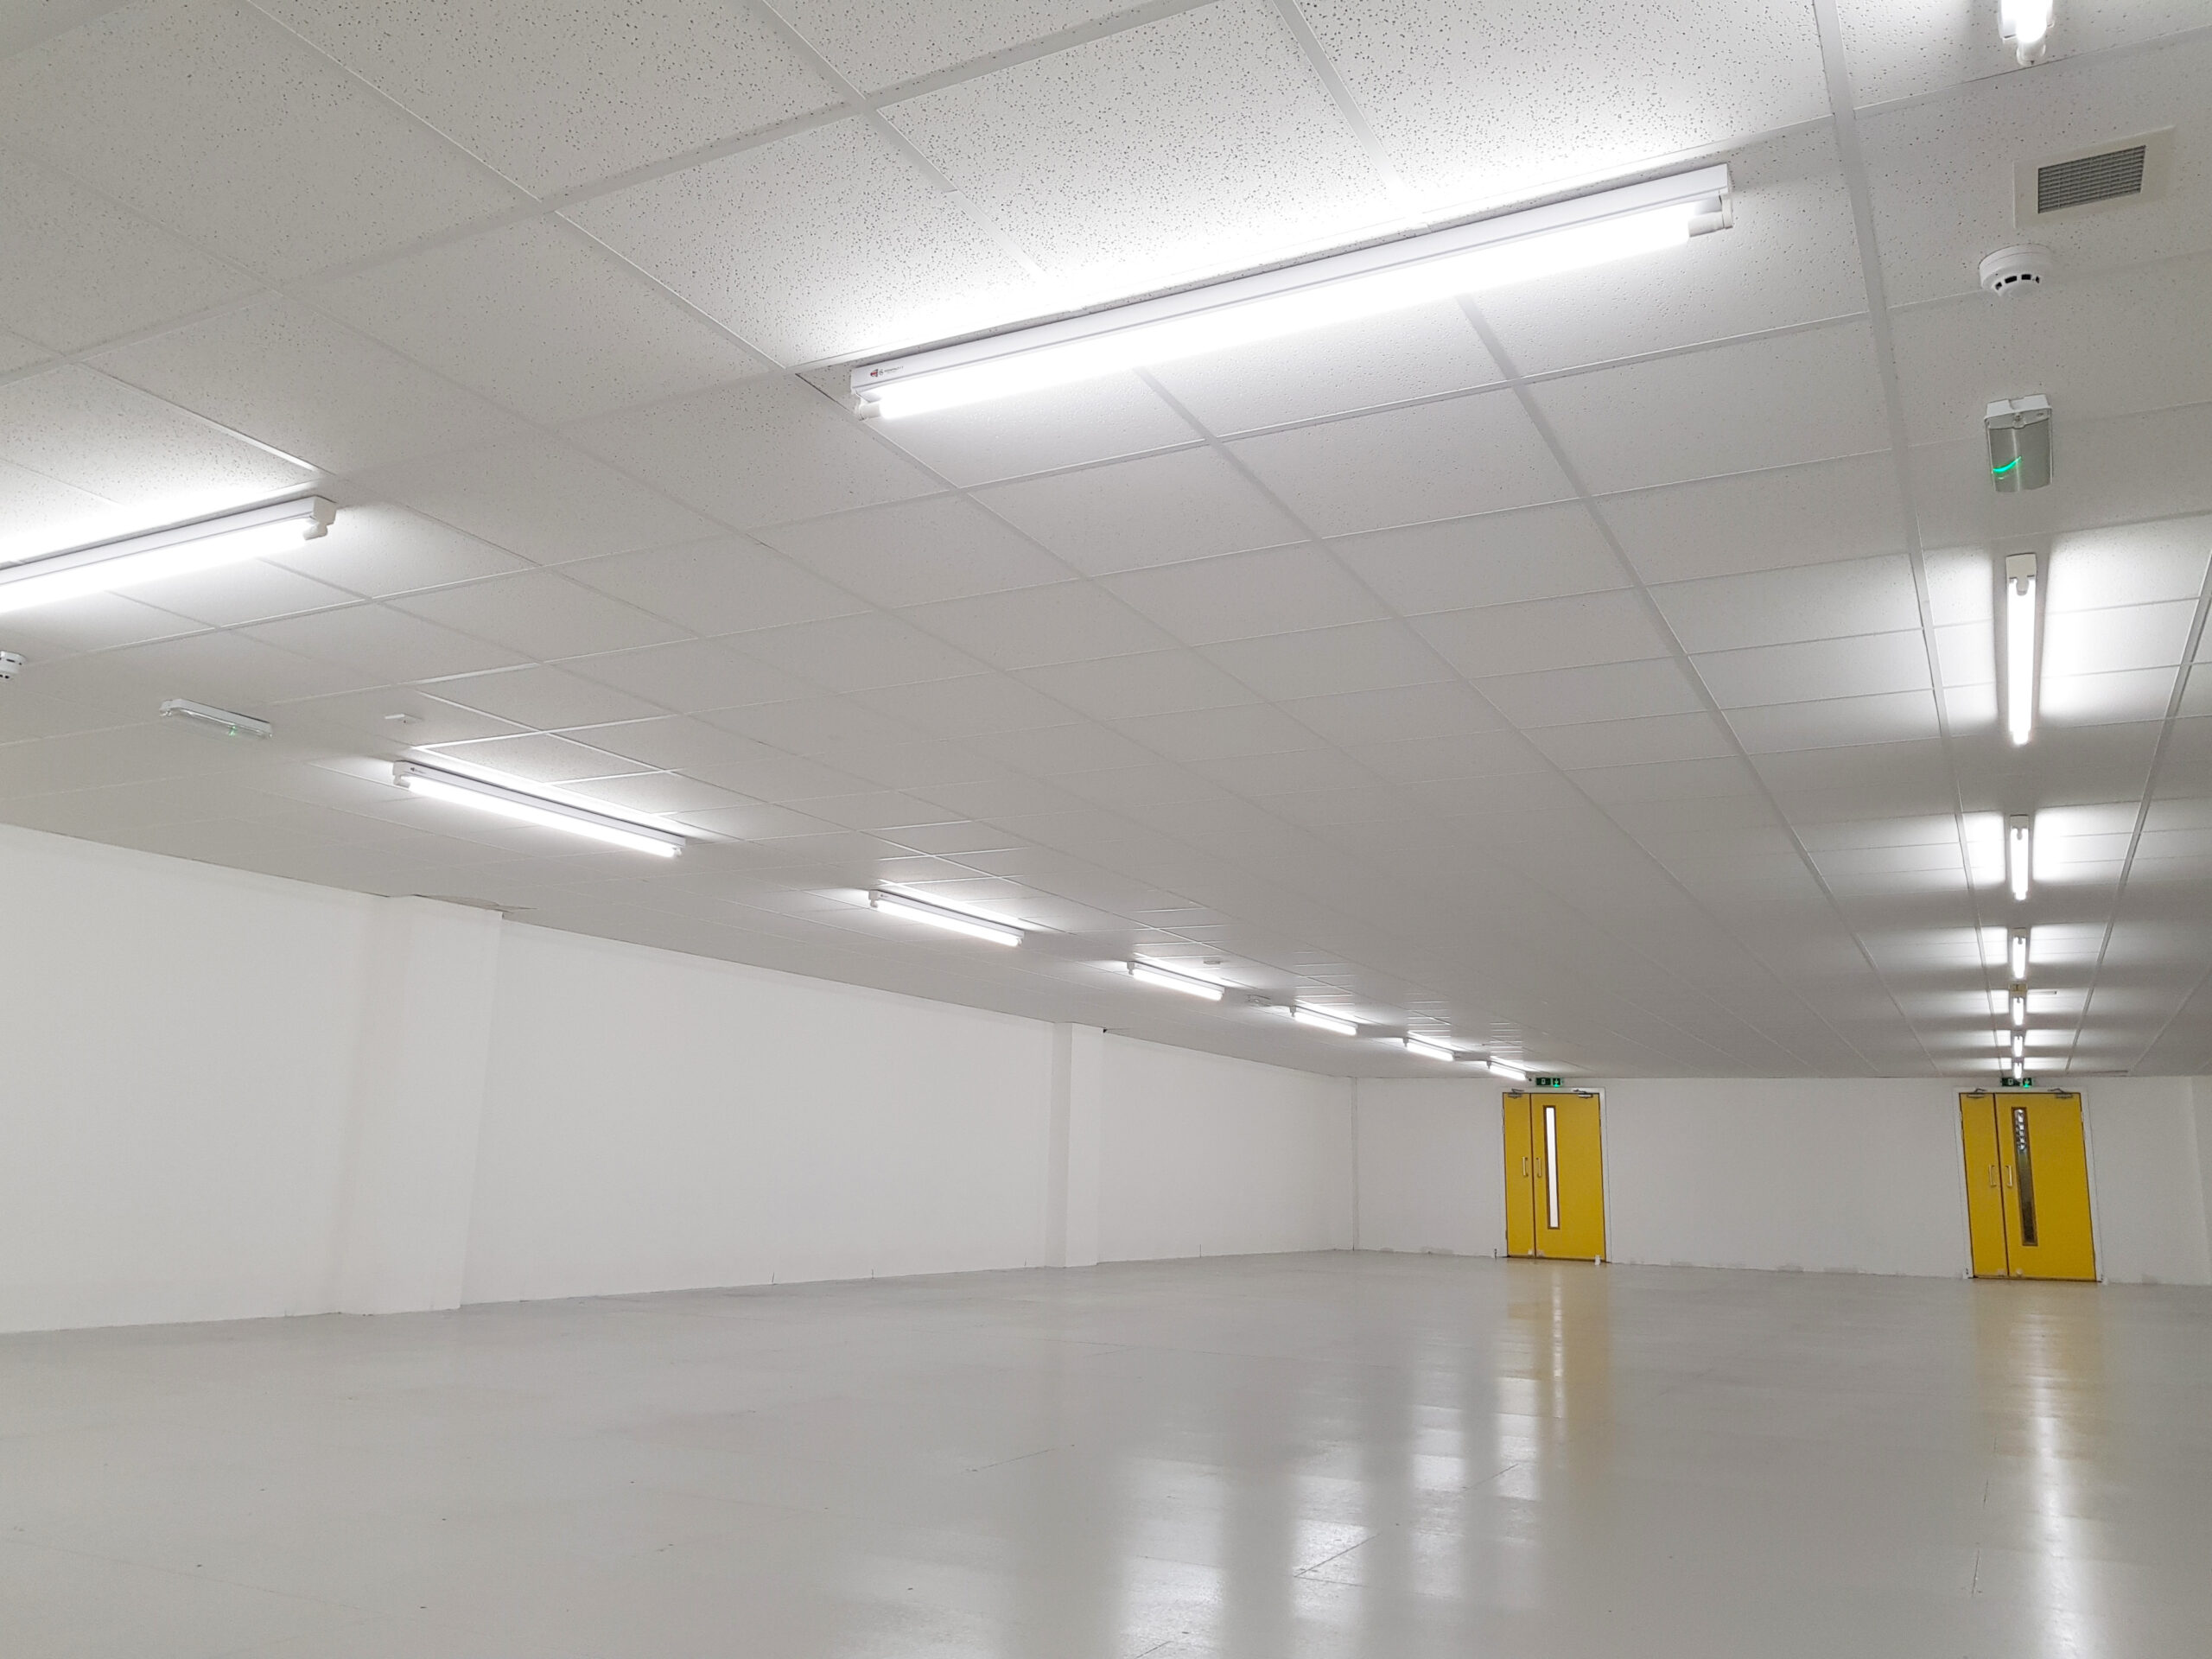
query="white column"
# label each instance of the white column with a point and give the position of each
(418, 1104)
(1077, 1104)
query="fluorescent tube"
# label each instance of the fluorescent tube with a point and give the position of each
(1371, 281)
(1321, 1021)
(2019, 855)
(953, 921)
(2020, 645)
(1168, 979)
(2019, 1070)
(221, 720)
(104, 567)
(1427, 1050)
(520, 805)
(1507, 1070)
(2016, 954)
(2025, 25)
(2020, 1045)
(2019, 1002)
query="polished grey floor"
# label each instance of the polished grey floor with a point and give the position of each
(1273, 1456)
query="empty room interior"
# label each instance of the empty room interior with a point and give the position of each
(1105, 829)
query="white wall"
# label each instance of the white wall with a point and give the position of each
(1208, 1156)
(1857, 1175)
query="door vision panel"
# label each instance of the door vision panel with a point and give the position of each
(2027, 1185)
(1554, 1175)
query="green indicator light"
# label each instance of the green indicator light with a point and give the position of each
(2000, 472)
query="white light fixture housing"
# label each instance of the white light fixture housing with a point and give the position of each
(2019, 1003)
(180, 550)
(2020, 645)
(1323, 1022)
(2019, 855)
(1168, 979)
(2025, 25)
(1507, 1070)
(2019, 1070)
(944, 916)
(221, 720)
(1368, 282)
(2016, 954)
(521, 806)
(2020, 1045)
(1427, 1050)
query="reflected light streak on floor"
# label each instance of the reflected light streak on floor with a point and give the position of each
(1290, 1456)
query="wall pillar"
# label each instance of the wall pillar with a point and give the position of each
(1078, 1107)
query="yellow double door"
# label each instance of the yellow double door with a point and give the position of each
(2027, 1185)
(1555, 1176)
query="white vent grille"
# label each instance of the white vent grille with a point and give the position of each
(2093, 178)
(2118, 173)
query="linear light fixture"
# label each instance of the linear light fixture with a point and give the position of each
(2025, 25)
(1321, 1021)
(2020, 645)
(1427, 1050)
(1168, 979)
(1507, 1070)
(2016, 954)
(2019, 1070)
(1369, 281)
(180, 550)
(2019, 1003)
(2019, 1045)
(220, 720)
(2019, 854)
(500, 800)
(944, 916)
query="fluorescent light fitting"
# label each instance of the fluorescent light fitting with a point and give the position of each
(1168, 979)
(203, 545)
(458, 789)
(2025, 25)
(1320, 1021)
(220, 720)
(2020, 645)
(2019, 855)
(2020, 1045)
(2019, 1070)
(1427, 1050)
(1369, 281)
(2019, 1003)
(944, 916)
(2016, 954)
(1507, 1070)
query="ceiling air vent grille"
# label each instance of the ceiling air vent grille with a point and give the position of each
(2092, 178)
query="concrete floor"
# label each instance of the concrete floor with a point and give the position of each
(1273, 1456)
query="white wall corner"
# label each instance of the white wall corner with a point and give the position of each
(408, 1174)
(1078, 1088)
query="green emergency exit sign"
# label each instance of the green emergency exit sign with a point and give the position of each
(2016, 1083)
(1548, 1082)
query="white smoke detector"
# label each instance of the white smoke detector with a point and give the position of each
(2017, 270)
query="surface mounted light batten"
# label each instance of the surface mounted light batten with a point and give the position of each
(2016, 953)
(220, 720)
(2019, 1070)
(2020, 851)
(2025, 25)
(1297, 299)
(1168, 979)
(2019, 1005)
(1427, 1050)
(953, 921)
(2020, 1045)
(1321, 1021)
(522, 807)
(1507, 1070)
(2020, 645)
(177, 550)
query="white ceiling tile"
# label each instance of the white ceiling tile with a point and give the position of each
(912, 552)
(1358, 656)
(1153, 683)
(1066, 622)
(380, 550)
(546, 699)
(1885, 717)
(1240, 595)
(1137, 513)
(1444, 708)
(1212, 734)
(95, 623)
(1864, 666)
(1068, 426)
(970, 705)
(548, 91)
(1762, 521)
(691, 676)
(1575, 632)
(536, 317)
(1780, 401)
(307, 387)
(854, 653)
(2132, 564)
(537, 756)
(729, 584)
(1903, 48)
(1567, 697)
(16, 353)
(2122, 637)
(1940, 172)
(1775, 607)
(1429, 351)
(826, 244)
(1503, 753)
(1496, 559)
(1491, 101)
(540, 497)
(1050, 751)
(541, 613)
(206, 120)
(1409, 466)
(232, 594)
(761, 451)
(2104, 699)
(246, 672)
(1201, 143)
(100, 271)
(1287, 772)
(1628, 742)
(880, 43)
(1790, 256)
(386, 646)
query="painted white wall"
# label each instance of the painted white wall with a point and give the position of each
(1202, 1155)
(1851, 1175)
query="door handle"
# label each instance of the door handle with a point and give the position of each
(1993, 1181)
(1524, 1165)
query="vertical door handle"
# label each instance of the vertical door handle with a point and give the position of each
(1993, 1175)
(1524, 1165)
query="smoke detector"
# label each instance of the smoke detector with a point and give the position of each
(2017, 270)
(10, 663)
